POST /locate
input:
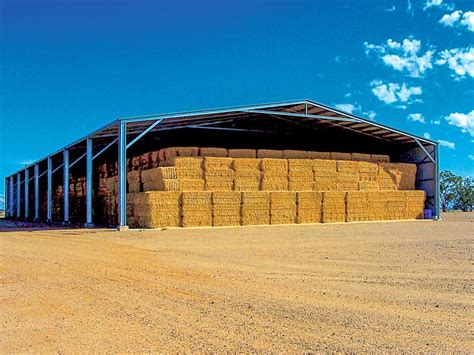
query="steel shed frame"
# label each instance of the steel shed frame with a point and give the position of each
(125, 132)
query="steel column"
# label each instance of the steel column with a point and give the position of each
(89, 182)
(7, 198)
(18, 195)
(66, 184)
(12, 201)
(438, 216)
(36, 192)
(27, 192)
(49, 216)
(122, 175)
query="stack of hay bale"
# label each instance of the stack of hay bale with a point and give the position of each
(334, 206)
(368, 173)
(282, 207)
(375, 206)
(325, 174)
(242, 153)
(226, 208)
(356, 206)
(134, 181)
(154, 209)
(295, 154)
(255, 207)
(397, 176)
(213, 152)
(218, 174)
(274, 174)
(269, 153)
(246, 174)
(395, 204)
(300, 174)
(189, 171)
(415, 203)
(162, 178)
(347, 175)
(309, 206)
(196, 208)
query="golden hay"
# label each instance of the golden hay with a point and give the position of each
(226, 197)
(256, 198)
(295, 154)
(368, 185)
(191, 185)
(134, 181)
(274, 165)
(274, 184)
(245, 164)
(334, 206)
(269, 153)
(242, 153)
(300, 185)
(324, 185)
(340, 156)
(219, 185)
(213, 152)
(247, 183)
(323, 167)
(159, 174)
(347, 166)
(217, 163)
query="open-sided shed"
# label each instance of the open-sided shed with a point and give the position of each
(286, 125)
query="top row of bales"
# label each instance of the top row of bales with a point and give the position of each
(166, 157)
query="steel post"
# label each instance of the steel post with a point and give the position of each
(27, 192)
(18, 195)
(7, 198)
(122, 176)
(66, 185)
(89, 182)
(49, 191)
(12, 201)
(437, 202)
(36, 192)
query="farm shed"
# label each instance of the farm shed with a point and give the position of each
(67, 186)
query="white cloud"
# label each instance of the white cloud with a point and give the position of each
(427, 135)
(350, 108)
(410, 8)
(465, 121)
(459, 19)
(416, 117)
(468, 20)
(470, 156)
(451, 19)
(460, 60)
(436, 122)
(26, 162)
(403, 56)
(393, 92)
(446, 144)
(370, 114)
(438, 4)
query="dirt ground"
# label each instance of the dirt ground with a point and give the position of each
(395, 286)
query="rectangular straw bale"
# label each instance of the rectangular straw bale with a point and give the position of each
(282, 199)
(196, 198)
(217, 163)
(282, 207)
(322, 167)
(242, 153)
(159, 198)
(188, 151)
(255, 217)
(247, 174)
(255, 207)
(324, 184)
(408, 176)
(360, 157)
(274, 165)
(274, 184)
(340, 156)
(334, 207)
(169, 154)
(319, 155)
(269, 153)
(256, 198)
(161, 156)
(134, 181)
(212, 152)
(226, 197)
(379, 158)
(189, 168)
(356, 206)
(295, 154)
(219, 220)
(159, 173)
(191, 185)
(155, 159)
(245, 164)
(368, 167)
(368, 186)
(218, 185)
(347, 166)
(247, 183)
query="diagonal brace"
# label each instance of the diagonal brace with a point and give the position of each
(303, 115)
(153, 125)
(426, 152)
(105, 148)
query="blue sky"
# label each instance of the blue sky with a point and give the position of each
(69, 66)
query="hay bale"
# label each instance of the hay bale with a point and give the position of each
(379, 158)
(360, 157)
(282, 207)
(155, 159)
(269, 153)
(217, 163)
(334, 206)
(415, 204)
(255, 208)
(189, 167)
(274, 166)
(245, 164)
(196, 209)
(356, 206)
(300, 174)
(324, 168)
(309, 207)
(295, 154)
(274, 184)
(324, 185)
(402, 175)
(191, 185)
(155, 209)
(226, 208)
(242, 153)
(188, 151)
(247, 183)
(212, 152)
(300, 185)
(134, 181)
(319, 155)
(340, 156)
(169, 156)
(368, 186)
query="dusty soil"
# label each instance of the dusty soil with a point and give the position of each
(397, 286)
